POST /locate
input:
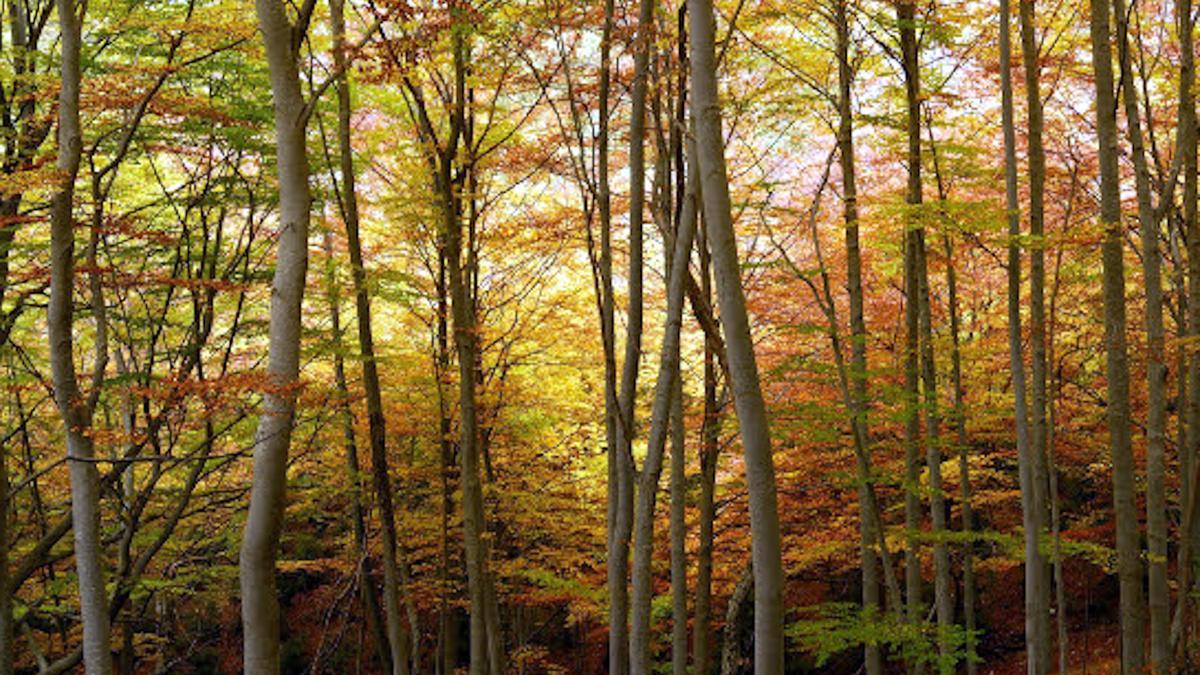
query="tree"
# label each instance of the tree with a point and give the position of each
(1129, 567)
(260, 603)
(743, 369)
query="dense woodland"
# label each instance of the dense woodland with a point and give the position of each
(630, 337)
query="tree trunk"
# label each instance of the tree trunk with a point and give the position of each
(710, 439)
(1156, 367)
(872, 656)
(370, 596)
(743, 370)
(376, 424)
(664, 393)
(620, 659)
(1030, 511)
(1120, 444)
(260, 603)
(75, 410)
(1037, 326)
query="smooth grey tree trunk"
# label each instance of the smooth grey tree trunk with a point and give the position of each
(260, 542)
(1030, 58)
(710, 435)
(75, 410)
(679, 606)
(743, 369)
(619, 635)
(1030, 512)
(664, 395)
(1129, 565)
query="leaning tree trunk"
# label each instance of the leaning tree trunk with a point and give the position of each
(1129, 565)
(872, 655)
(743, 370)
(664, 393)
(376, 425)
(370, 598)
(260, 602)
(76, 412)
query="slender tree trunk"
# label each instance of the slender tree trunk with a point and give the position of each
(1037, 324)
(664, 393)
(679, 608)
(910, 52)
(260, 602)
(1030, 511)
(620, 658)
(905, 14)
(1060, 594)
(76, 412)
(710, 438)
(959, 416)
(743, 369)
(872, 656)
(370, 596)
(1129, 567)
(376, 424)
(1156, 368)
(1191, 410)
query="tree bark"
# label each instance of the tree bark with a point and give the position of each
(743, 369)
(1159, 604)
(376, 424)
(1030, 513)
(1037, 326)
(872, 656)
(260, 603)
(1129, 564)
(370, 596)
(75, 409)
(664, 393)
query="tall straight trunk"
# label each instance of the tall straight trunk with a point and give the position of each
(914, 308)
(1037, 322)
(664, 394)
(618, 563)
(679, 607)
(376, 425)
(1060, 594)
(446, 643)
(616, 551)
(905, 15)
(678, 479)
(6, 624)
(872, 656)
(959, 417)
(1156, 368)
(743, 369)
(943, 601)
(370, 596)
(260, 542)
(1129, 566)
(1030, 510)
(75, 411)
(710, 438)
(1191, 409)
